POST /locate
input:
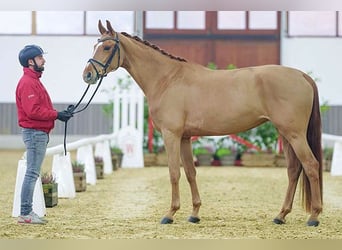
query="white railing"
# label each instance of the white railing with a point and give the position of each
(128, 120)
(87, 149)
(334, 141)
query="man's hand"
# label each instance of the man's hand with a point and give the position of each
(64, 115)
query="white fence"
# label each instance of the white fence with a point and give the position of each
(128, 127)
(334, 141)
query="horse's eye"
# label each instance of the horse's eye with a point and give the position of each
(106, 48)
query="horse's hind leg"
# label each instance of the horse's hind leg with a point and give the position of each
(312, 196)
(190, 171)
(294, 169)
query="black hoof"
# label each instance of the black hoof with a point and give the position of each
(312, 223)
(166, 220)
(194, 219)
(278, 221)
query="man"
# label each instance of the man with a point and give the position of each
(36, 117)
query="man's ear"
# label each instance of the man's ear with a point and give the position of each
(30, 62)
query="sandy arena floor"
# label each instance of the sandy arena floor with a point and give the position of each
(237, 203)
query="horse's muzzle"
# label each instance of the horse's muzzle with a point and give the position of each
(89, 77)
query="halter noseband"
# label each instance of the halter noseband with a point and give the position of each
(116, 48)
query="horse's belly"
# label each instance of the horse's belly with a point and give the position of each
(221, 125)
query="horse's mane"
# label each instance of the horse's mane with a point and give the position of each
(136, 38)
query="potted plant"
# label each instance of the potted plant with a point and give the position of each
(117, 155)
(226, 156)
(224, 152)
(99, 167)
(265, 137)
(327, 158)
(203, 151)
(79, 176)
(50, 189)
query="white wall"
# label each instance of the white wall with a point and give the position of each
(65, 60)
(67, 56)
(322, 56)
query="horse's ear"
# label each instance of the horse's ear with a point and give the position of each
(101, 28)
(110, 28)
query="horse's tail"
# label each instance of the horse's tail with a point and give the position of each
(314, 137)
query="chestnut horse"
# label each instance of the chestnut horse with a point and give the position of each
(186, 99)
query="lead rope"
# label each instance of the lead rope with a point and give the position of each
(71, 109)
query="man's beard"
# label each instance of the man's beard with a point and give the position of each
(36, 68)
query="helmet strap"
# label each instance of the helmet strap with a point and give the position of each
(36, 68)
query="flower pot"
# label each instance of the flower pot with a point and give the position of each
(99, 170)
(150, 159)
(80, 181)
(227, 160)
(116, 160)
(204, 159)
(114, 163)
(279, 160)
(50, 194)
(326, 165)
(258, 159)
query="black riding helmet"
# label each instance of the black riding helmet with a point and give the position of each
(29, 52)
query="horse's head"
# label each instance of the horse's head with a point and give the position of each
(106, 56)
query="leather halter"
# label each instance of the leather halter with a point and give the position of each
(105, 66)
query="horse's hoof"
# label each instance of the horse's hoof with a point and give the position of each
(312, 223)
(166, 220)
(194, 219)
(278, 221)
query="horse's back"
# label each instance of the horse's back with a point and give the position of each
(229, 101)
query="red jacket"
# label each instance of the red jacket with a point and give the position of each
(34, 105)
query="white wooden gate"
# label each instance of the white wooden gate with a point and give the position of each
(128, 124)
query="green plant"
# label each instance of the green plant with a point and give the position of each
(203, 145)
(266, 136)
(77, 167)
(246, 135)
(201, 151)
(115, 150)
(224, 146)
(328, 153)
(48, 178)
(223, 152)
(324, 107)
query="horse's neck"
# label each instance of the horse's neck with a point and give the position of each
(149, 67)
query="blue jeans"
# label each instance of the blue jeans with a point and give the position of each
(35, 142)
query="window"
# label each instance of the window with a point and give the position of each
(159, 20)
(265, 20)
(231, 20)
(60, 22)
(63, 22)
(247, 20)
(313, 23)
(120, 21)
(175, 20)
(194, 20)
(15, 22)
(206, 23)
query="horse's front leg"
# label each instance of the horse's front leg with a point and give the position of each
(172, 146)
(190, 171)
